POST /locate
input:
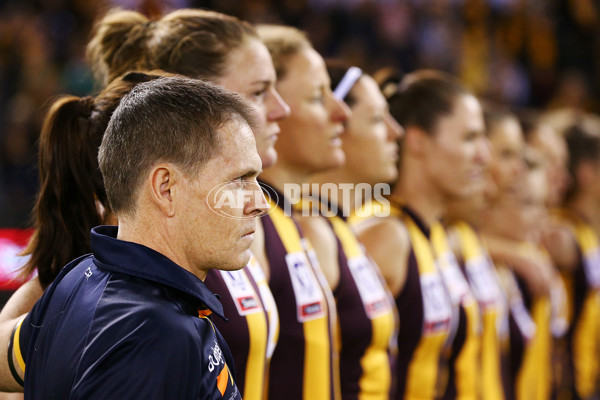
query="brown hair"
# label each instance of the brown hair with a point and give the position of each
(194, 43)
(119, 44)
(530, 121)
(283, 42)
(583, 142)
(494, 115)
(171, 119)
(65, 209)
(423, 97)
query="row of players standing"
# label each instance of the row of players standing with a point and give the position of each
(321, 323)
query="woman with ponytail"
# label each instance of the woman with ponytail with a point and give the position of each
(72, 199)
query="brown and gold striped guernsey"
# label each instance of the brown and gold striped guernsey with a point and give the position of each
(304, 363)
(464, 377)
(248, 332)
(426, 316)
(583, 297)
(493, 305)
(367, 321)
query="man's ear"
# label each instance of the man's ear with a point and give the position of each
(163, 178)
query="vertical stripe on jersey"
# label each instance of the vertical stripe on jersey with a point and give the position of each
(268, 304)
(466, 366)
(376, 378)
(534, 379)
(317, 360)
(423, 376)
(255, 368)
(583, 293)
(493, 308)
(586, 343)
(246, 332)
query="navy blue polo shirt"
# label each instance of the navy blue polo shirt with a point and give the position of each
(124, 323)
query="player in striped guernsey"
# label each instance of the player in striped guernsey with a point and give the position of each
(576, 246)
(462, 217)
(511, 227)
(366, 309)
(304, 365)
(443, 156)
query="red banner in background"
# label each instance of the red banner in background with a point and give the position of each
(12, 243)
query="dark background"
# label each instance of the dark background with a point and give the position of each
(536, 53)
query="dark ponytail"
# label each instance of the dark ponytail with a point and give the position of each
(71, 186)
(65, 208)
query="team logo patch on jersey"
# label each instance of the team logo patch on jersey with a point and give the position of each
(437, 308)
(369, 286)
(242, 292)
(455, 281)
(310, 301)
(484, 282)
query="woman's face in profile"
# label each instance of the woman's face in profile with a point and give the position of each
(310, 138)
(250, 73)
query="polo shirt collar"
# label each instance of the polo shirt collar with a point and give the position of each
(140, 261)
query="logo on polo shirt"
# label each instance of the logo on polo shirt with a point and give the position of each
(216, 358)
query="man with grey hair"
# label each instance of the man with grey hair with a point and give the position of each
(131, 319)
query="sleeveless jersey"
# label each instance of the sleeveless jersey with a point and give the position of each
(583, 297)
(531, 340)
(534, 379)
(367, 321)
(252, 324)
(464, 369)
(493, 306)
(304, 363)
(522, 328)
(426, 318)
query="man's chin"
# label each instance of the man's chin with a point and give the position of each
(240, 262)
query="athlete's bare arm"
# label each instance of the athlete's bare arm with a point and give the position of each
(7, 381)
(22, 300)
(531, 265)
(388, 244)
(323, 240)
(560, 243)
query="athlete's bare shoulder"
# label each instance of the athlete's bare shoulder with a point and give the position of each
(22, 300)
(559, 240)
(387, 241)
(323, 240)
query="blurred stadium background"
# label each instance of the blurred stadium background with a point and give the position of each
(524, 53)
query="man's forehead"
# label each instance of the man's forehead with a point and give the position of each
(236, 132)
(238, 143)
